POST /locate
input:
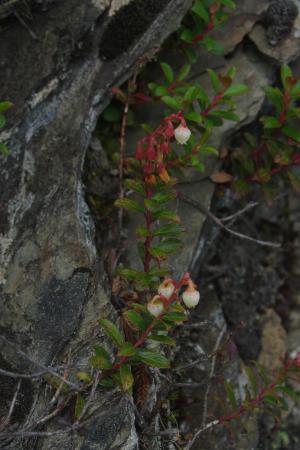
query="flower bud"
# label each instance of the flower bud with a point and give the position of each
(166, 288)
(191, 297)
(182, 134)
(155, 306)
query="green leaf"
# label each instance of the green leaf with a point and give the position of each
(228, 115)
(160, 91)
(79, 405)
(101, 360)
(212, 45)
(201, 11)
(166, 340)
(275, 96)
(191, 94)
(130, 274)
(236, 89)
(209, 150)
(166, 215)
(288, 391)
(112, 331)
(230, 394)
(271, 399)
(194, 117)
(128, 204)
(135, 319)
(126, 377)
(165, 247)
(172, 229)
(112, 114)
(270, 122)
(106, 382)
(216, 83)
(164, 197)
(252, 379)
(153, 359)
(171, 102)
(2, 121)
(3, 149)
(142, 232)
(229, 3)
(176, 317)
(285, 72)
(4, 106)
(168, 72)
(262, 373)
(184, 71)
(134, 185)
(187, 36)
(197, 163)
(291, 132)
(83, 376)
(295, 91)
(127, 350)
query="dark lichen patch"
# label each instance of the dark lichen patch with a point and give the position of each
(279, 19)
(59, 309)
(127, 25)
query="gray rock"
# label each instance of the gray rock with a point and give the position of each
(52, 281)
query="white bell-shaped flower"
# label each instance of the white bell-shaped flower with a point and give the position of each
(182, 134)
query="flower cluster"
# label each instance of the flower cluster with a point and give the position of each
(167, 294)
(152, 149)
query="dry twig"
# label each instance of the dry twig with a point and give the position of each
(220, 223)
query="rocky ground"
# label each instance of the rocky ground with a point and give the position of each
(58, 68)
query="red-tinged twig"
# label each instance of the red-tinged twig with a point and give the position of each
(252, 403)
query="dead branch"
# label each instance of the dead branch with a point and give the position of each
(40, 365)
(12, 407)
(220, 223)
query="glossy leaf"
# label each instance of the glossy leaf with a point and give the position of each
(79, 405)
(126, 377)
(172, 229)
(184, 71)
(166, 340)
(168, 72)
(135, 319)
(153, 359)
(236, 89)
(166, 247)
(230, 394)
(101, 360)
(171, 102)
(201, 11)
(4, 106)
(112, 331)
(128, 204)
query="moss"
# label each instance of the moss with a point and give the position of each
(127, 25)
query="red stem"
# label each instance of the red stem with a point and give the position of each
(262, 394)
(149, 238)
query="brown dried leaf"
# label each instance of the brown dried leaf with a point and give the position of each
(221, 177)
